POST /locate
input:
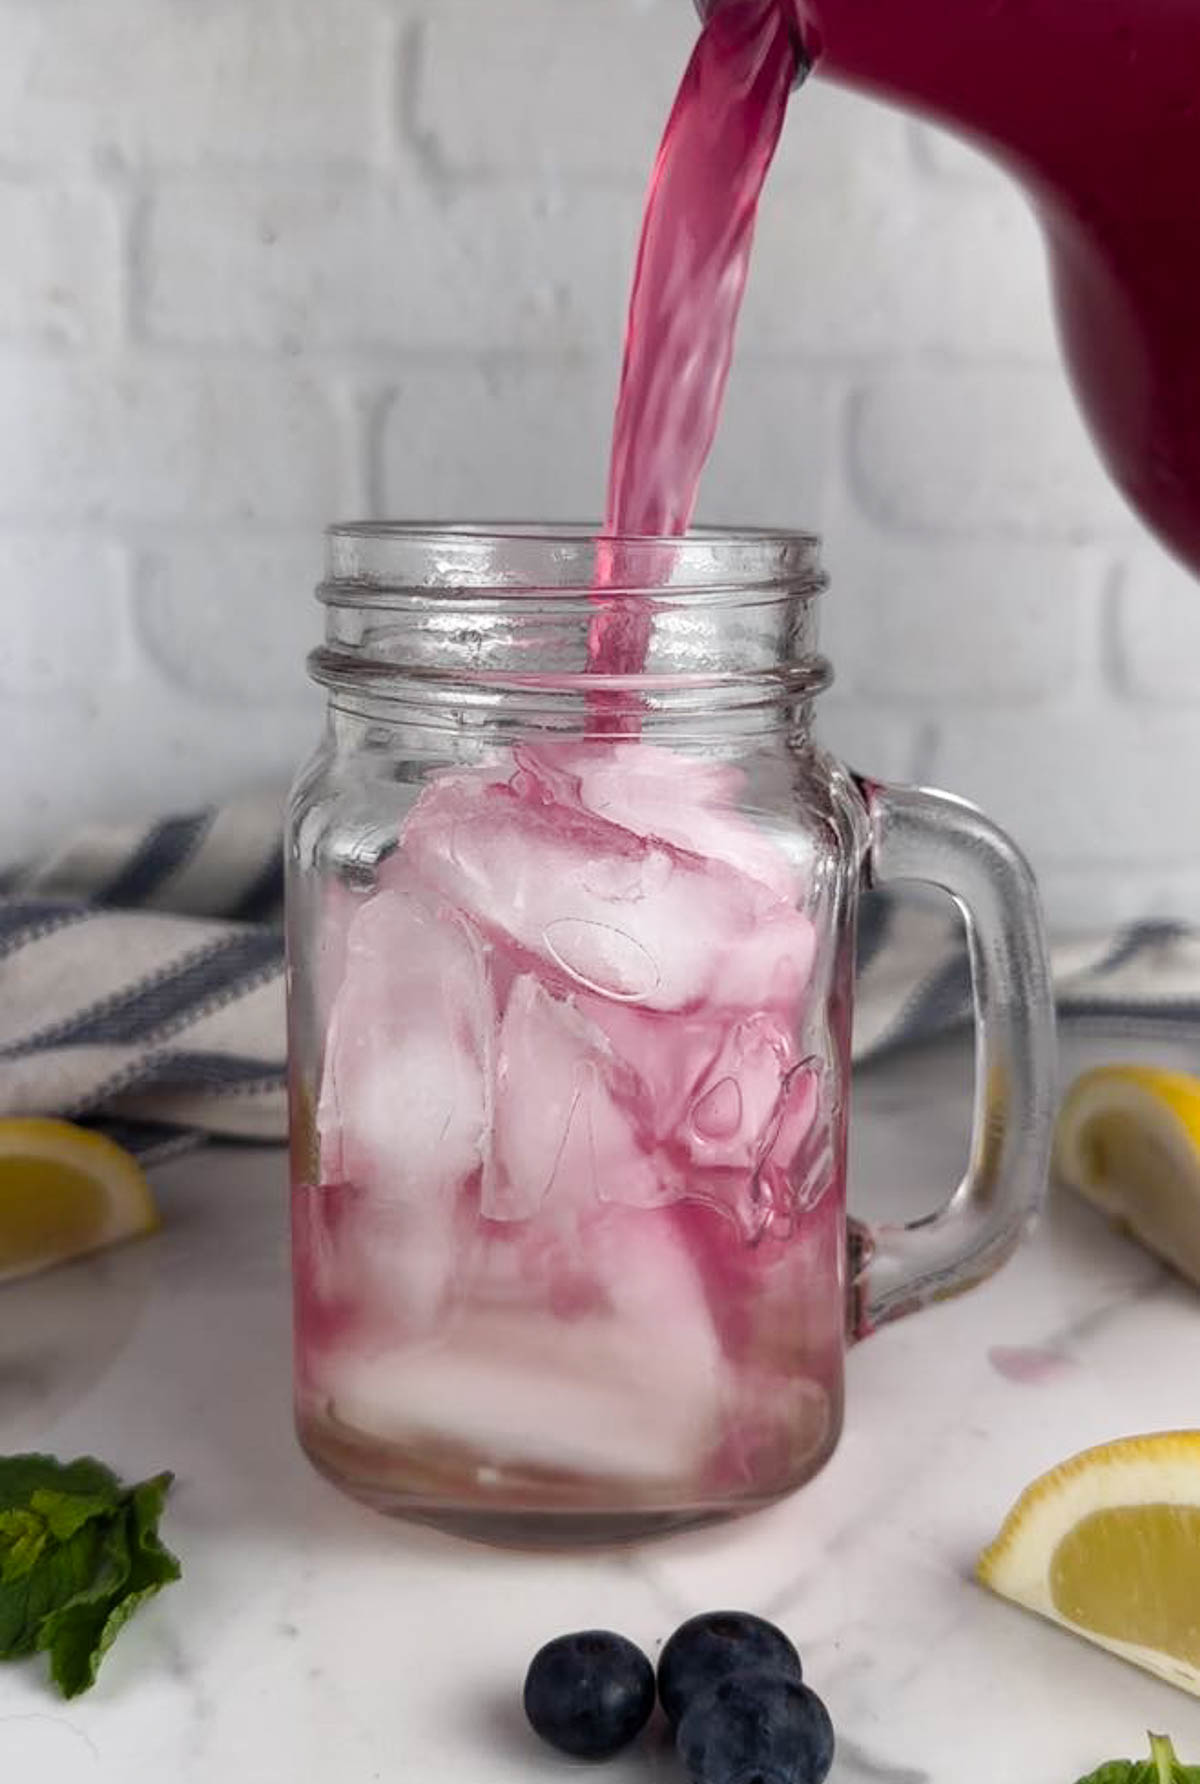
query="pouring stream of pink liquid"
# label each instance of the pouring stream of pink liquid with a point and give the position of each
(688, 284)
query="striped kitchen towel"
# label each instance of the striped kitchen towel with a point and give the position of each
(141, 978)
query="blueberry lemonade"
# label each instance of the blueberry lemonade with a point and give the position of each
(573, 1228)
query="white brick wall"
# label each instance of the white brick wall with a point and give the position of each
(168, 83)
(310, 265)
(141, 439)
(59, 270)
(269, 262)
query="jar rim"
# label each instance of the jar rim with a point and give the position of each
(367, 557)
(556, 530)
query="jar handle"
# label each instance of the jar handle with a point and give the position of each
(931, 837)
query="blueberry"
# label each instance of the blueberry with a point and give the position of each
(711, 1647)
(756, 1728)
(589, 1694)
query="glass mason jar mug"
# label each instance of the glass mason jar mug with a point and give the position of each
(571, 959)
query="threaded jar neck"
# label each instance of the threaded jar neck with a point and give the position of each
(448, 622)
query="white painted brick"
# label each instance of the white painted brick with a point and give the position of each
(1157, 632)
(995, 451)
(776, 453)
(58, 271)
(163, 442)
(486, 441)
(834, 140)
(943, 622)
(531, 439)
(166, 81)
(304, 265)
(856, 254)
(232, 620)
(1077, 900)
(1103, 791)
(950, 157)
(64, 614)
(106, 755)
(563, 86)
(883, 745)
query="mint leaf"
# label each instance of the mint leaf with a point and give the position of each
(22, 1539)
(21, 1477)
(79, 1636)
(73, 1635)
(78, 1554)
(1122, 1771)
(152, 1565)
(1165, 1768)
(65, 1513)
(81, 1640)
(1162, 1767)
(61, 1570)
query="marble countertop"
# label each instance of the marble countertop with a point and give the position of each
(312, 1641)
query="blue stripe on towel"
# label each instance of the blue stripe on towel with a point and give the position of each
(161, 854)
(219, 973)
(24, 920)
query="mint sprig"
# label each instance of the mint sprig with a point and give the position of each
(78, 1553)
(1162, 1767)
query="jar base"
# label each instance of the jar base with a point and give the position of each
(534, 1512)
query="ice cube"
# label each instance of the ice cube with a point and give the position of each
(797, 1114)
(559, 1128)
(372, 1271)
(403, 1111)
(634, 1386)
(747, 1097)
(627, 916)
(324, 1295)
(724, 1095)
(339, 905)
(737, 1106)
(691, 804)
(668, 1053)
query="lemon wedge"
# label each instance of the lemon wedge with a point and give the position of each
(1128, 1139)
(65, 1191)
(1108, 1545)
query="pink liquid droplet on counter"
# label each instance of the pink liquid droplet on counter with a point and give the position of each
(1029, 1367)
